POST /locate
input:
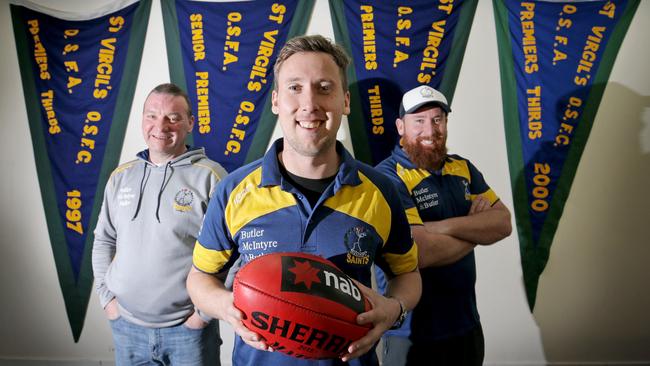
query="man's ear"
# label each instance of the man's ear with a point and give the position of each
(191, 124)
(399, 123)
(274, 102)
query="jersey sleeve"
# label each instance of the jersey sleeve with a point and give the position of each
(399, 254)
(214, 250)
(478, 186)
(412, 214)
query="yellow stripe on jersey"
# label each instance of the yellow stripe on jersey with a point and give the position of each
(209, 260)
(413, 216)
(246, 203)
(458, 168)
(403, 263)
(211, 169)
(411, 177)
(489, 194)
(123, 167)
(366, 203)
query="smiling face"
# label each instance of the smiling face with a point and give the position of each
(424, 136)
(165, 124)
(310, 101)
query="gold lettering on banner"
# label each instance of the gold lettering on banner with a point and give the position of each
(608, 10)
(589, 55)
(376, 110)
(257, 78)
(89, 130)
(71, 66)
(231, 45)
(259, 69)
(47, 102)
(584, 70)
(40, 56)
(529, 42)
(430, 53)
(569, 119)
(238, 134)
(401, 41)
(534, 98)
(198, 43)
(369, 37)
(203, 105)
(447, 6)
(563, 22)
(105, 59)
(73, 214)
(540, 191)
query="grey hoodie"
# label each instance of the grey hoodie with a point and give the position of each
(145, 235)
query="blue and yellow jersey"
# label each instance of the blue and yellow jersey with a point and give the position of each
(358, 221)
(448, 304)
(436, 195)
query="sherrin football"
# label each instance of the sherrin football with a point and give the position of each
(302, 304)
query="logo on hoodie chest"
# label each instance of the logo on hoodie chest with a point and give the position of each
(125, 196)
(183, 200)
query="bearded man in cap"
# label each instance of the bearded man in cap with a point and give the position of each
(451, 209)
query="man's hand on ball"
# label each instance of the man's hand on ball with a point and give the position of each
(234, 316)
(382, 316)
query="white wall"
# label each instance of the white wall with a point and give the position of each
(592, 302)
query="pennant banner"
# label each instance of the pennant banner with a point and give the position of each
(555, 59)
(78, 78)
(223, 54)
(396, 46)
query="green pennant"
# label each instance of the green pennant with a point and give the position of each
(535, 252)
(76, 289)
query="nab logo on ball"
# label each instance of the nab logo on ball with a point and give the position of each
(301, 304)
(319, 279)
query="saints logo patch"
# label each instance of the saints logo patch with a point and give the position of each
(183, 200)
(358, 239)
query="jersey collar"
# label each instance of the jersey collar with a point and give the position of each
(348, 173)
(403, 159)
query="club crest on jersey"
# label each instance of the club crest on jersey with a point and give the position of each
(183, 200)
(357, 239)
(468, 195)
(318, 279)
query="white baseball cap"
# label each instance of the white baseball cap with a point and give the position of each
(419, 96)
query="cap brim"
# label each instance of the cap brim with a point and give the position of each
(442, 105)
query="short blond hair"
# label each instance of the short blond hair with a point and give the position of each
(313, 43)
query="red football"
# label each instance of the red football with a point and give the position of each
(302, 304)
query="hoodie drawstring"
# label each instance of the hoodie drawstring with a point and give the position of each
(162, 187)
(144, 175)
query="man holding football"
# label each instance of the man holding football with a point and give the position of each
(307, 194)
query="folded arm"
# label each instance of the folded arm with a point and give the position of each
(436, 250)
(483, 226)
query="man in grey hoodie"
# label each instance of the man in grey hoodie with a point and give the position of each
(151, 214)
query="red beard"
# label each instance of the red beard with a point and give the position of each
(430, 158)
